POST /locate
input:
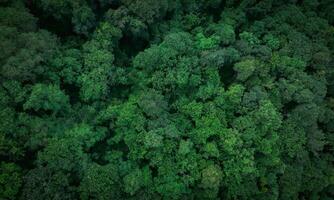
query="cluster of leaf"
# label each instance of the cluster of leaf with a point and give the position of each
(162, 99)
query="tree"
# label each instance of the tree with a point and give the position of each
(99, 71)
(27, 61)
(10, 180)
(83, 20)
(245, 69)
(186, 99)
(148, 10)
(136, 179)
(85, 135)
(42, 183)
(19, 18)
(47, 98)
(101, 182)
(224, 33)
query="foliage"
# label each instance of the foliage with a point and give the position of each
(161, 99)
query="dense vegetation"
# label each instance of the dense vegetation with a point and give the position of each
(166, 99)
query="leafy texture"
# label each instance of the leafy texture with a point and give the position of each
(166, 99)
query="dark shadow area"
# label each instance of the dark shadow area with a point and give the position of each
(227, 75)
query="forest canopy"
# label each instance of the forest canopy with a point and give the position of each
(166, 99)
